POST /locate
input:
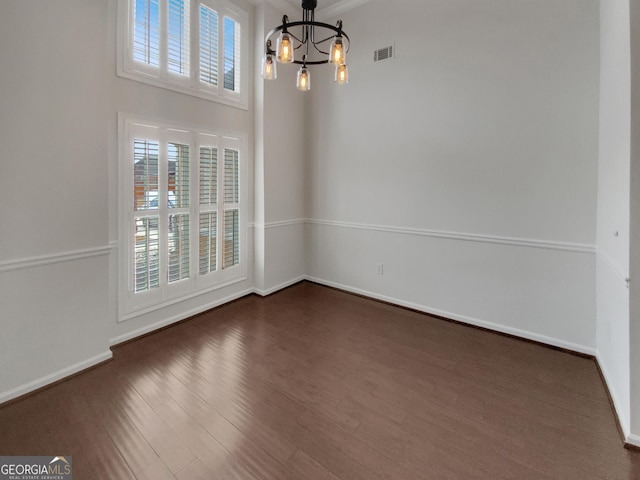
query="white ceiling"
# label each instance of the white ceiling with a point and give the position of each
(322, 4)
(328, 8)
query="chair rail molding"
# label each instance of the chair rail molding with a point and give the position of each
(466, 237)
(54, 258)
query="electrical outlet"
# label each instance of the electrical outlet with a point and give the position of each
(380, 269)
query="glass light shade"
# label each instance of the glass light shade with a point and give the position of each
(269, 70)
(284, 48)
(337, 54)
(342, 74)
(304, 80)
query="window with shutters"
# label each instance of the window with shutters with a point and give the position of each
(183, 218)
(198, 47)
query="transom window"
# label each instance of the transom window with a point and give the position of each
(191, 46)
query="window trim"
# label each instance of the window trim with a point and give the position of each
(132, 304)
(189, 85)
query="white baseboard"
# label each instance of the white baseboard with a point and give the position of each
(269, 291)
(54, 377)
(462, 318)
(633, 439)
(622, 417)
(190, 313)
(177, 318)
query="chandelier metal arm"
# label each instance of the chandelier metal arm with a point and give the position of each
(296, 38)
(286, 26)
(320, 42)
(313, 23)
(307, 38)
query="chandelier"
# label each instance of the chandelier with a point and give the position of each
(304, 43)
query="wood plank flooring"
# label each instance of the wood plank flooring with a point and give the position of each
(313, 383)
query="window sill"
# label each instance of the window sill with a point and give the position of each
(237, 100)
(173, 301)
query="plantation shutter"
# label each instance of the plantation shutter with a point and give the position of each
(231, 55)
(208, 221)
(146, 32)
(231, 177)
(146, 218)
(208, 45)
(231, 245)
(178, 35)
(177, 204)
(208, 260)
(183, 217)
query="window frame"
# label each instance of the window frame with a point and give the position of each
(133, 304)
(191, 84)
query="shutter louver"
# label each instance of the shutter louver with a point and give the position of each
(146, 250)
(231, 238)
(178, 174)
(145, 174)
(231, 176)
(208, 176)
(178, 37)
(208, 242)
(231, 55)
(208, 45)
(178, 198)
(146, 37)
(145, 199)
(178, 247)
(231, 245)
(208, 231)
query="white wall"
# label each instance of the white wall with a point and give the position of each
(467, 165)
(58, 250)
(613, 203)
(53, 182)
(281, 132)
(634, 336)
(146, 101)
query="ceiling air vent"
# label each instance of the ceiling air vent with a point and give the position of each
(383, 54)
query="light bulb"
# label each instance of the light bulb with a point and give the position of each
(304, 80)
(269, 71)
(342, 74)
(337, 54)
(285, 48)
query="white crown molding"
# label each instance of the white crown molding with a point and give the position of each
(467, 237)
(52, 259)
(339, 7)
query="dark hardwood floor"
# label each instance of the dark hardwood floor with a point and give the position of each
(313, 383)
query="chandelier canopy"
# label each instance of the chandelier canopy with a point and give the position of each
(304, 42)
